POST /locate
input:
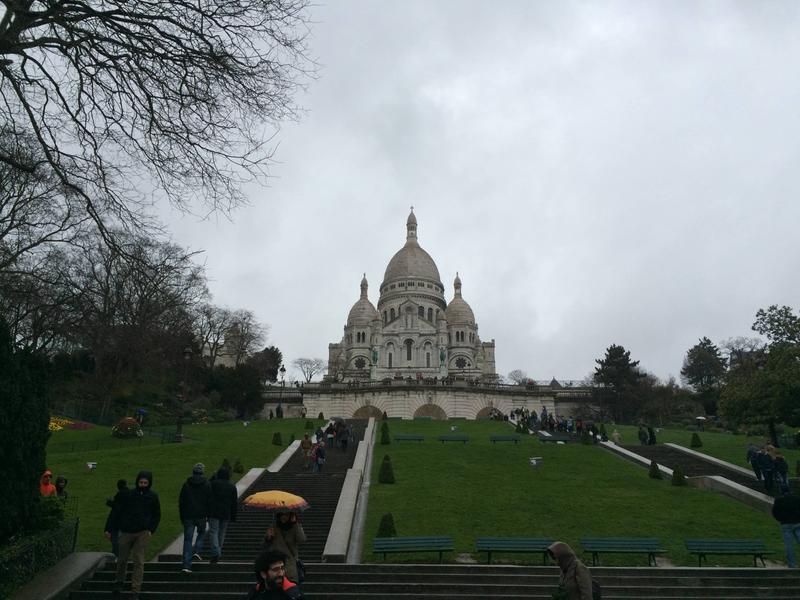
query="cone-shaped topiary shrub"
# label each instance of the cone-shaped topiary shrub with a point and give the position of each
(385, 438)
(696, 441)
(655, 472)
(320, 416)
(238, 467)
(678, 477)
(277, 439)
(386, 527)
(384, 416)
(387, 471)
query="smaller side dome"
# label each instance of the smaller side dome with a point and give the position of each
(458, 311)
(363, 311)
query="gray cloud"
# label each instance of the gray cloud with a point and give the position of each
(598, 173)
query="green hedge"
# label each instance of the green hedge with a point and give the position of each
(21, 560)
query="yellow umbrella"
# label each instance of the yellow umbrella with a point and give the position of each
(276, 500)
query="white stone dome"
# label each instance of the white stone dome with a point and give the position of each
(363, 311)
(458, 311)
(411, 261)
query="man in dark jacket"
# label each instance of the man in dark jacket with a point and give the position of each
(786, 509)
(194, 505)
(224, 504)
(111, 531)
(272, 584)
(136, 516)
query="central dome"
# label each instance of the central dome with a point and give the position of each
(411, 261)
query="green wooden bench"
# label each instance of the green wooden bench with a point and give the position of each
(453, 438)
(518, 545)
(702, 548)
(504, 438)
(597, 546)
(408, 437)
(438, 544)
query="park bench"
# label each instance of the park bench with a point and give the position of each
(453, 438)
(517, 545)
(597, 546)
(731, 547)
(438, 544)
(408, 437)
(504, 438)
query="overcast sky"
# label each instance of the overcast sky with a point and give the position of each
(598, 173)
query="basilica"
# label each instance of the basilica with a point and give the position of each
(414, 332)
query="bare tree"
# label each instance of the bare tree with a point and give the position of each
(35, 209)
(130, 98)
(245, 335)
(211, 323)
(518, 376)
(309, 367)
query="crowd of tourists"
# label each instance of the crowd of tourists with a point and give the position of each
(769, 467)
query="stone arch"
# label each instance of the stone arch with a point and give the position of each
(484, 413)
(431, 410)
(367, 411)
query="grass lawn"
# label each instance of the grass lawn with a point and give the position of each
(726, 446)
(171, 465)
(485, 489)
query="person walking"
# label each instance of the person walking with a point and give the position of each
(318, 456)
(286, 536)
(306, 446)
(767, 466)
(224, 505)
(136, 517)
(642, 436)
(651, 436)
(194, 505)
(111, 530)
(786, 510)
(781, 473)
(272, 583)
(575, 579)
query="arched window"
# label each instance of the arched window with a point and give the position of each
(409, 346)
(421, 312)
(390, 360)
(430, 315)
(427, 359)
(384, 317)
(391, 314)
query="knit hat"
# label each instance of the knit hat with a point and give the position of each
(198, 469)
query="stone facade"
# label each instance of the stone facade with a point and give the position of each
(414, 332)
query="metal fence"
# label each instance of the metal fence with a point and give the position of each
(23, 559)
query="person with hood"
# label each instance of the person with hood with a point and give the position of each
(786, 510)
(272, 583)
(194, 505)
(286, 536)
(61, 487)
(752, 459)
(46, 488)
(651, 436)
(575, 579)
(111, 531)
(224, 504)
(136, 516)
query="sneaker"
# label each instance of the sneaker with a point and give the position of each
(185, 570)
(196, 557)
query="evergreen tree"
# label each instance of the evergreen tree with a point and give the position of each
(277, 439)
(678, 478)
(386, 527)
(655, 472)
(704, 370)
(618, 376)
(386, 474)
(696, 441)
(24, 419)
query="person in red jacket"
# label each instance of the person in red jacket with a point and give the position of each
(272, 583)
(46, 487)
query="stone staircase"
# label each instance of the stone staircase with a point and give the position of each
(233, 576)
(455, 582)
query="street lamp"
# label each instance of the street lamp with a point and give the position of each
(283, 375)
(182, 397)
